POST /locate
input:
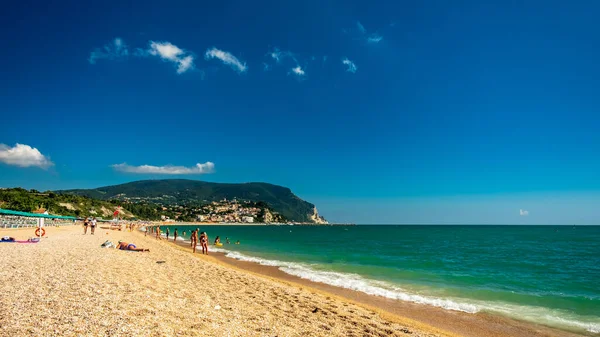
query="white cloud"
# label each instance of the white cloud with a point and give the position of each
(170, 52)
(276, 55)
(115, 50)
(23, 156)
(361, 28)
(351, 66)
(279, 55)
(185, 64)
(226, 58)
(374, 38)
(298, 71)
(364, 36)
(523, 212)
(205, 168)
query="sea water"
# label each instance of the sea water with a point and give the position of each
(544, 274)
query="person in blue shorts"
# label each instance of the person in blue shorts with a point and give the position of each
(130, 246)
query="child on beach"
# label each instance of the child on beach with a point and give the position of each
(194, 240)
(204, 242)
(217, 239)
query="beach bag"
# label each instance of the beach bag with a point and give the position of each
(107, 244)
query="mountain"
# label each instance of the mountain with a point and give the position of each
(182, 191)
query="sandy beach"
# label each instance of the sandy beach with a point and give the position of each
(68, 285)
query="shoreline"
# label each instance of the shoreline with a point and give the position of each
(449, 321)
(67, 285)
(70, 286)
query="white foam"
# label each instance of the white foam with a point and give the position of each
(355, 282)
(378, 288)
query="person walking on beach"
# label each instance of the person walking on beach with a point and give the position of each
(93, 226)
(175, 235)
(157, 232)
(204, 243)
(85, 226)
(146, 232)
(194, 240)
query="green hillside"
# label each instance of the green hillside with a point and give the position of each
(182, 192)
(19, 199)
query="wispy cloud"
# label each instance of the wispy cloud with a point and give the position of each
(170, 53)
(226, 58)
(298, 71)
(115, 50)
(281, 55)
(363, 35)
(374, 38)
(360, 27)
(205, 168)
(523, 212)
(23, 156)
(288, 60)
(351, 66)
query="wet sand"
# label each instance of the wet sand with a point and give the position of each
(68, 286)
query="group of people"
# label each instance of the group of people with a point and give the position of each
(195, 236)
(89, 222)
(218, 241)
(203, 241)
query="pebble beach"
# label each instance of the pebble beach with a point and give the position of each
(67, 285)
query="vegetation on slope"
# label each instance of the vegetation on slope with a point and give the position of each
(193, 192)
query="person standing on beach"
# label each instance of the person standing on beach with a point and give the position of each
(175, 235)
(194, 240)
(93, 226)
(146, 232)
(204, 243)
(85, 226)
(157, 232)
(167, 232)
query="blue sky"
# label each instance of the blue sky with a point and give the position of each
(420, 110)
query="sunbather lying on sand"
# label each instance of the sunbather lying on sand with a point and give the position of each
(130, 246)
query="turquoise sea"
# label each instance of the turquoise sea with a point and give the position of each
(544, 274)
